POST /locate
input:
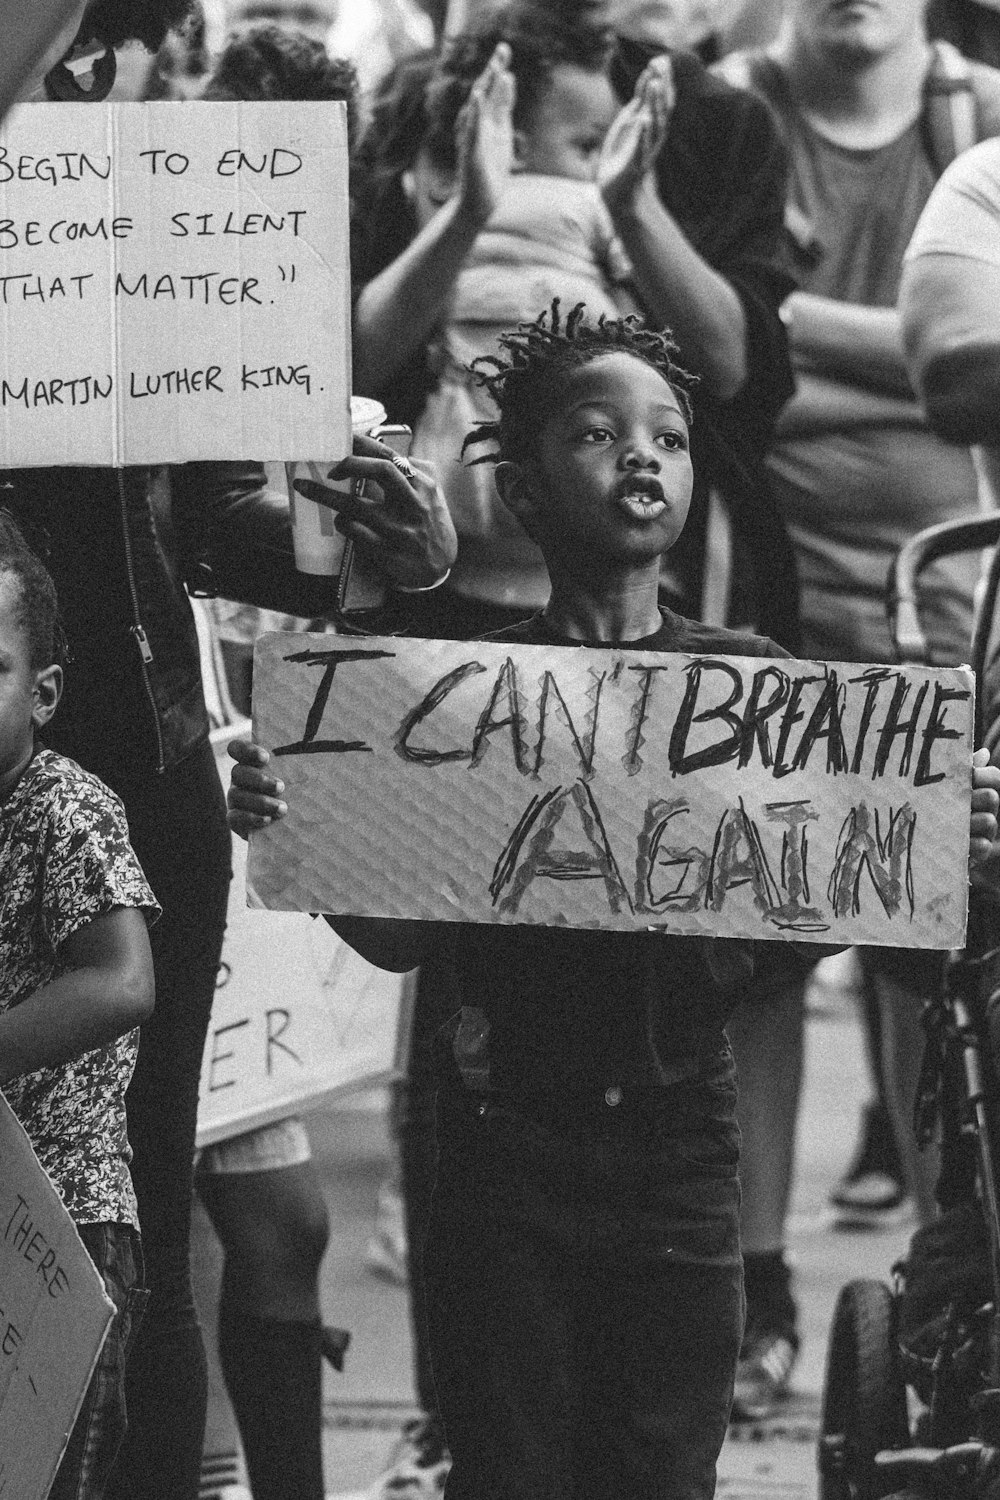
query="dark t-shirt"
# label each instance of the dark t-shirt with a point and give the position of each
(553, 1012)
(860, 472)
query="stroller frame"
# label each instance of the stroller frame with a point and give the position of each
(877, 1439)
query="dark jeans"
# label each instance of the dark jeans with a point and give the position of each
(177, 824)
(417, 1127)
(584, 1293)
(101, 1422)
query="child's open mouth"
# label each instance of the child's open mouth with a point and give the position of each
(641, 498)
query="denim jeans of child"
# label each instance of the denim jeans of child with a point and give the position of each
(584, 1292)
(101, 1421)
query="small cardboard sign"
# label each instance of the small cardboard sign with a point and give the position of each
(174, 283)
(299, 1019)
(629, 790)
(54, 1317)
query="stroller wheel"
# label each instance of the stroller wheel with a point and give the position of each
(864, 1398)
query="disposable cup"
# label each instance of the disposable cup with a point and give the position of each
(319, 546)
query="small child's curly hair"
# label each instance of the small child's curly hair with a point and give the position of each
(528, 386)
(276, 62)
(540, 37)
(38, 607)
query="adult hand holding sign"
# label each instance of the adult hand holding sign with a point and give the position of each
(403, 521)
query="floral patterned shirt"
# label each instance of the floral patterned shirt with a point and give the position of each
(65, 860)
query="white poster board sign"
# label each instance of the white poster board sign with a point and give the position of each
(298, 1020)
(54, 1316)
(174, 283)
(628, 790)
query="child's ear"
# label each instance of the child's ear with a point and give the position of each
(516, 490)
(47, 692)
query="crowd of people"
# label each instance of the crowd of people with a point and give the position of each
(690, 342)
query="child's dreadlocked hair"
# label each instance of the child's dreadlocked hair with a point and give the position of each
(528, 386)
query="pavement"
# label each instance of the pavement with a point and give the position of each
(366, 1405)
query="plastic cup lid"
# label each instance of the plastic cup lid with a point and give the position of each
(366, 413)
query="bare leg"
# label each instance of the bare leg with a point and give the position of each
(768, 1042)
(767, 1037)
(273, 1226)
(902, 1053)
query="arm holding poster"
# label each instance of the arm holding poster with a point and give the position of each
(107, 990)
(255, 801)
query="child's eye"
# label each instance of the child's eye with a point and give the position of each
(674, 442)
(597, 435)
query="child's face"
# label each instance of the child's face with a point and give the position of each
(565, 131)
(612, 479)
(28, 696)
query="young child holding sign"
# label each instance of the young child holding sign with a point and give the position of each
(76, 979)
(583, 1269)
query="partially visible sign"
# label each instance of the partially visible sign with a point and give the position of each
(299, 1019)
(174, 283)
(629, 790)
(54, 1317)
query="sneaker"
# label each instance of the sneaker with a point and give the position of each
(871, 1194)
(764, 1372)
(220, 1478)
(418, 1464)
(871, 1201)
(386, 1253)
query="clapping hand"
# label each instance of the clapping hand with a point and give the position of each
(636, 137)
(484, 135)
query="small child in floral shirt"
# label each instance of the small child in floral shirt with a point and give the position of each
(76, 978)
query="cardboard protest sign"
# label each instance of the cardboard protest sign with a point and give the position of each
(630, 790)
(174, 283)
(298, 1020)
(54, 1316)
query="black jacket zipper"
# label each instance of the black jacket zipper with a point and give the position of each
(137, 630)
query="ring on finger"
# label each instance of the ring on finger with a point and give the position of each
(398, 462)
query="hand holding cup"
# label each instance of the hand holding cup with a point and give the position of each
(394, 510)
